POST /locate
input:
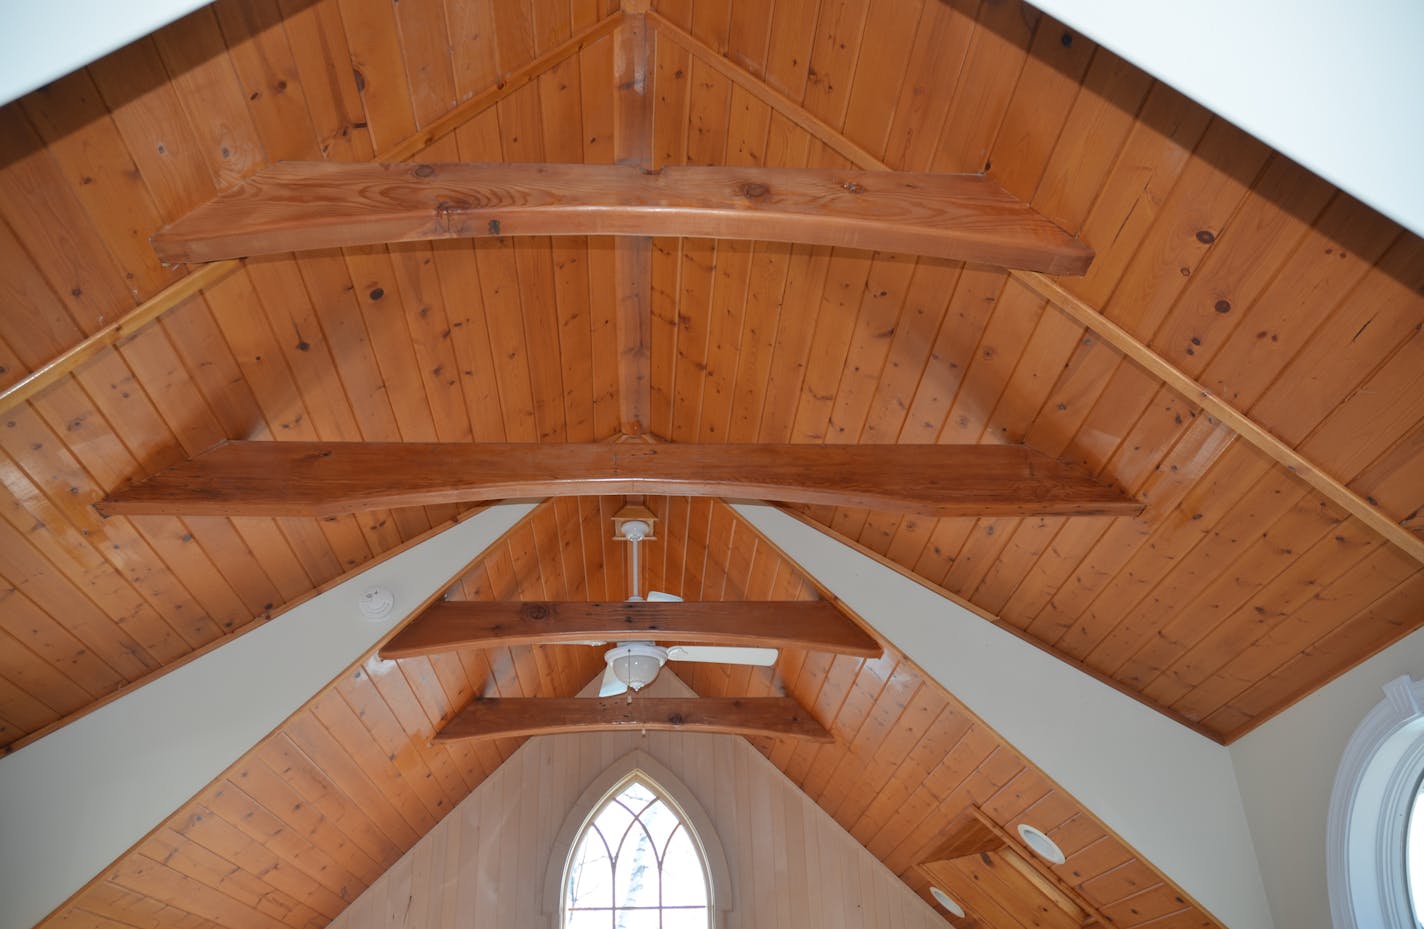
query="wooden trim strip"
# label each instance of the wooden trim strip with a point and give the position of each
(504, 717)
(123, 328)
(330, 478)
(482, 101)
(1234, 419)
(810, 624)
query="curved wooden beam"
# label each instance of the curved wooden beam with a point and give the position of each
(811, 624)
(499, 718)
(329, 478)
(295, 206)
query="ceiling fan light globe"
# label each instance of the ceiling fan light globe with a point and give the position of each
(635, 669)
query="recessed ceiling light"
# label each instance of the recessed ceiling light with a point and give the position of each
(1041, 844)
(946, 901)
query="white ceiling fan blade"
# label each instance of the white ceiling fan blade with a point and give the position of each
(723, 654)
(611, 686)
(657, 596)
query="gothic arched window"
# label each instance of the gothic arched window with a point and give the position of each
(636, 865)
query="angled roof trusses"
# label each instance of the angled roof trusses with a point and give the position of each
(1080, 310)
(327, 478)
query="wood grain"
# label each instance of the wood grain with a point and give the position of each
(450, 625)
(496, 718)
(327, 478)
(297, 206)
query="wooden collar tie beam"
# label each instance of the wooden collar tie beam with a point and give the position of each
(331, 478)
(498, 718)
(811, 624)
(298, 206)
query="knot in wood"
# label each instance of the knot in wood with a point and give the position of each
(853, 187)
(423, 171)
(675, 719)
(535, 611)
(754, 190)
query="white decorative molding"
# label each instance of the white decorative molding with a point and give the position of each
(1374, 791)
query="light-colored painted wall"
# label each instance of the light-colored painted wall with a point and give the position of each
(1286, 770)
(792, 866)
(1169, 792)
(157, 746)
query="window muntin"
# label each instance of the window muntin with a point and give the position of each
(636, 866)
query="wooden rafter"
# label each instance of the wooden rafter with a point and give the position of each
(499, 718)
(1089, 316)
(633, 255)
(809, 624)
(297, 206)
(326, 478)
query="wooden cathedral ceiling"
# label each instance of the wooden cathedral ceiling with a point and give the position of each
(1239, 588)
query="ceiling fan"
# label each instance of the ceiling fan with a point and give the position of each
(633, 665)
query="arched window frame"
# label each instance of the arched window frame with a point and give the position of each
(638, 764)
(1374, 792)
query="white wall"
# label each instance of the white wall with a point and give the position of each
(43, 41)
(80, 797)
(792, 866)
(1335, 85)
(1286, 769)
(1167, 791)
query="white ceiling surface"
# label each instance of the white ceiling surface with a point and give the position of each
(1338, 85)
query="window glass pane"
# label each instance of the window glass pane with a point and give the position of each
(590, 873)
(691, 918)
(589, 919)
(613, 820)
(660, 821)
(635, 875)
(636, 795)
(636, 919)
(684, 882)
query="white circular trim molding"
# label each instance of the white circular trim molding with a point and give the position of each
(946, 901)
(1374, 791)
(1041, 844)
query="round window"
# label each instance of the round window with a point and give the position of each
(1375, 853)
